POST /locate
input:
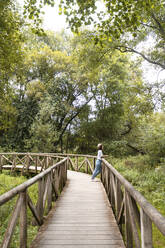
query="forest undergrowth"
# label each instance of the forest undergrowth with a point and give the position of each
(149, 180)
(8, 182)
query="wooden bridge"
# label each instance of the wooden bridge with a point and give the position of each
(86, 214)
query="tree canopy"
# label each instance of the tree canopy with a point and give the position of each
(63, 92)
(122, 23)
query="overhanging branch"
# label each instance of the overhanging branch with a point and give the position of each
(124, 49)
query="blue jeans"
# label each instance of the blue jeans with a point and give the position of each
(97, 169)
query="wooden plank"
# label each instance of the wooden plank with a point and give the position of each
(80, 242)
(81, 246)
(82, 217)
(92, 233)
(86, 236)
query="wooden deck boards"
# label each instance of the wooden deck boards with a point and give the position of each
(82, 218)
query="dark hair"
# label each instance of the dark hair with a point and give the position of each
(99, 147)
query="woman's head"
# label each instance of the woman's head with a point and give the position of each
(99, 146)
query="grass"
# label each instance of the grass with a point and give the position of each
(149, 181)
(8, 182)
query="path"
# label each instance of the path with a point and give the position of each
(82, 218)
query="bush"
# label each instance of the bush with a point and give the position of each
(149, 181)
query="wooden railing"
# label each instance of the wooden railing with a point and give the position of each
(80, 162)
(50, 182)
(27, 162)
(134, 214)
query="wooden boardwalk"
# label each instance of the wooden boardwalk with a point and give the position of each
(81, 218)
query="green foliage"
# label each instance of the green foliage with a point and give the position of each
(10, 58)
(149, 181)
(122, 24)
(8, 182)
(69, 93)
(154, 138)
(114, 19)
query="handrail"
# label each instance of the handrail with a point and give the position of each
(50, 182)
(151, 211)
(134, 214)
(22, 187)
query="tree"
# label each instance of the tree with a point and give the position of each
(50, 78)
(11, 56)
(120, 98)
(122, 23)
(150, 137)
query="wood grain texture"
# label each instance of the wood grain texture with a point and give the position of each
(81, 218)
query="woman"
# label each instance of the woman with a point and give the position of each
(98, 161)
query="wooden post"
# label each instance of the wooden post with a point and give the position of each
(12, 224)
(106, 180)
(40, 198)
(56, 181)
(119, 197)
(112, 194)
(76, 163)
(133, 222)
(47, 162)
(146, 230)
(36, 164)
(65, 171)
(136, 212)
(27, 163)
(94, 163)
(86, 166)
(13, 163)
(1, 163)
(49, 204)
(128, 231)
(67, 162)
(23, 221)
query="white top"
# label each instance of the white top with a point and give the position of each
(99, 154)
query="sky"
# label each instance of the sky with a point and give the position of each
(52, 20)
